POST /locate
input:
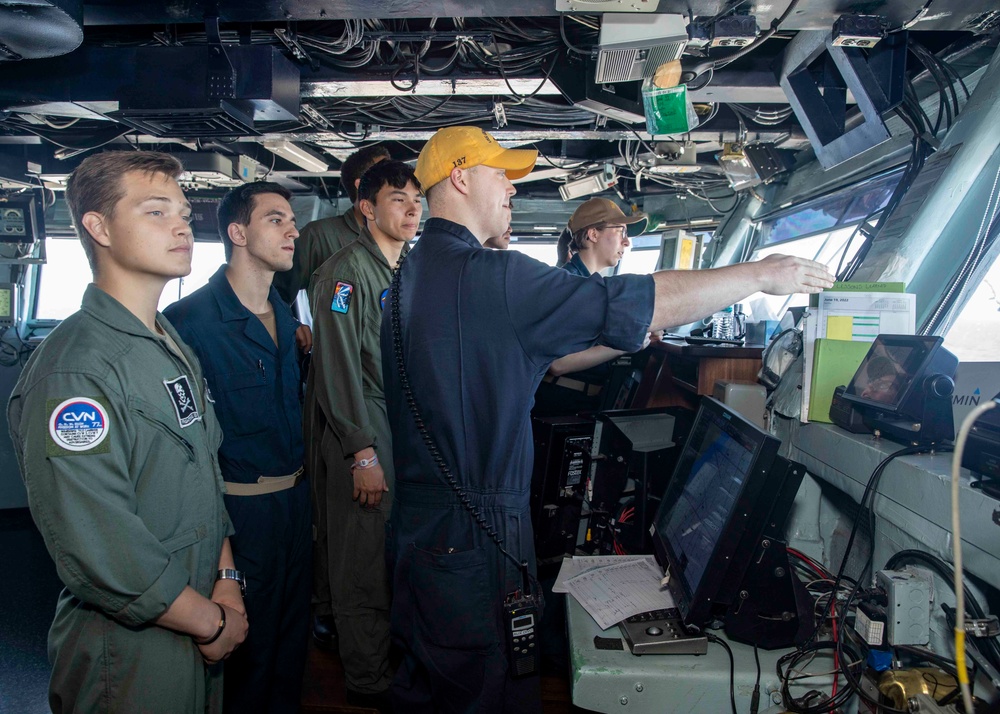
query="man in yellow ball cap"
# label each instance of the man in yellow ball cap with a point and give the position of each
(467, 335)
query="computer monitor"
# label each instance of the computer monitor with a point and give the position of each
(729, 487)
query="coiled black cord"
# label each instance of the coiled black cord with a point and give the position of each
(431, 444)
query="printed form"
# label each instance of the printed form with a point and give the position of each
(574, 565)
(616, 592)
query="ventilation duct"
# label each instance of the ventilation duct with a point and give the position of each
(631, 47)
(181, 91)
(31, 29)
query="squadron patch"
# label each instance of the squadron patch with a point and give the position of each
(342, 298)
(382, 297)
(79, 424)
(182, 397)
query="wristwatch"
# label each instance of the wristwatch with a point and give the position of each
(237, 575)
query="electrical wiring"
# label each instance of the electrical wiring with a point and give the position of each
(959, 581)
(700, 69)
(732, 666)
(755, 697)
(565, 40)
(838, 645)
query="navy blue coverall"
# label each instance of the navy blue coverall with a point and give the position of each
(576, 266)
(255, 385)
(552, 398)
(479, 329)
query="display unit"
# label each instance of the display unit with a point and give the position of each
(718, 530)
(903, 388)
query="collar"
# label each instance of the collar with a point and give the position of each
(579, 266)
(112, 313)
(351, 221)
(104, 308)
(229, 304)
(443, 225)
(367, 241)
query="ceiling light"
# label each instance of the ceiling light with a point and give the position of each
(431, 87)
(296, 154)
(545, 229)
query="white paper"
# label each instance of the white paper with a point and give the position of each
(866, 315)
(616, 592)
(573, 566)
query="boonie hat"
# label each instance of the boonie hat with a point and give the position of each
(596, 211)
(462, 147)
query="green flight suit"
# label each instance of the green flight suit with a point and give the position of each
(316, 244)
(349, 414)
(117, 447)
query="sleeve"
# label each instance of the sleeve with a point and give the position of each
(555, 313)
(84, 501)
(339, 339)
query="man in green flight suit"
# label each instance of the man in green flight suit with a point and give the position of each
(317, 242)
(348, 293)
(116, 439)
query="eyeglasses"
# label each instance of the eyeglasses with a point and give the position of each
(619, 229)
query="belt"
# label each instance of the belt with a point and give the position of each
(589, 390)
(264, 485)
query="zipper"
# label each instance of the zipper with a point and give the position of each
(169, 432)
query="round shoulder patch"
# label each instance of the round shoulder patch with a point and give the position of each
(78, 424)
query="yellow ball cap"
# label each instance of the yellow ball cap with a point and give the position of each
(462, 147)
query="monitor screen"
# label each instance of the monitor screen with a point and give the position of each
(703, 529)
(888, 371)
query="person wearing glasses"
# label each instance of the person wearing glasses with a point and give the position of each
(596, 238)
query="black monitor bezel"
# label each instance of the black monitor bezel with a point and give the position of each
(728, 562)
(929, 342)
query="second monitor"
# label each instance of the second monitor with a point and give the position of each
(718, 530)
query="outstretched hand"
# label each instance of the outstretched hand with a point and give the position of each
(787, 274)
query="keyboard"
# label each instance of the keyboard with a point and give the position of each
(661, 632)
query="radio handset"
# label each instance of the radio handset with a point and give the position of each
(521, 608)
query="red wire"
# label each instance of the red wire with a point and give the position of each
(813, 565)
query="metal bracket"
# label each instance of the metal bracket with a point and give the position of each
(290, 38)
(221, 76)
(818, 95)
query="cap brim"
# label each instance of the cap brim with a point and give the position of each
(637, 224)
(518, 163)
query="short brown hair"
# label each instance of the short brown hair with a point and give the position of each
(96, 185)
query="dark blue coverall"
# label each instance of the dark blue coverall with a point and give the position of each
(479, 329)
(553, 398)
(577, 267)
(255, 385)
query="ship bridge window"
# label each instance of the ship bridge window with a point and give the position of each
(642, 257)
(974, 336)
(66, 274)
(822, 229)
